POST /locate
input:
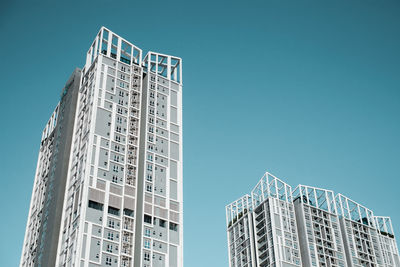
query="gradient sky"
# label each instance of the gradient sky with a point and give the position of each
(306, 89)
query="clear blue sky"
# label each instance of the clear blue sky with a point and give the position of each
(308, 90)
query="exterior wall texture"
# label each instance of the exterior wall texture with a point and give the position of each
(307, 227)
(121, 204)
(43, 226)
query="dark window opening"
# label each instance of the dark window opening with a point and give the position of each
(113, 211)
(95, 205)
(162, 223)
(128, 212)
(125, 60)
(173, 226)
(147, 219)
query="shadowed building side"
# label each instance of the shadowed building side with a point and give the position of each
(40, 244)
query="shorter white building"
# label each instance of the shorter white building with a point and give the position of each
(307, 227)
(262, 227)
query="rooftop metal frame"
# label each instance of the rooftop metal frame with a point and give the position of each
(236, 209)
(167, 66)
(354, 211)
(316, 197)
(270, 186)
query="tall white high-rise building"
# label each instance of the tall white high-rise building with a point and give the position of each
(108, 184)
(275, 227)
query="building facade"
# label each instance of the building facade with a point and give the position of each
(119, 194)
(319, 229)
(309, 226)
(44, 219)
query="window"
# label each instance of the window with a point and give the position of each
(128, 212)
(115, 179)
(173, 226)
(111, 224)
(147, 256)
(162, 223)
(149, 188)
(147, 219)
(147, 232)
(147, 244)
(95, 205)
(110, 236)
(113, 211)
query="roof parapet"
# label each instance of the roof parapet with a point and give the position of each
(170, 67)
(270, 186)
(112, 45)
(384, 225)
(354, 211)
(316, 197)
(236, 209)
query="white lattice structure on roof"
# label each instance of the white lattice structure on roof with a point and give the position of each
(307, 227)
